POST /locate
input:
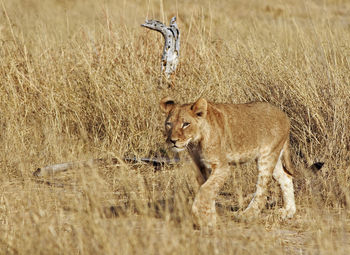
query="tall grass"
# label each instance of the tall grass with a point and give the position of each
(80, 79)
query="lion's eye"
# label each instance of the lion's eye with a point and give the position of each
(185, 125)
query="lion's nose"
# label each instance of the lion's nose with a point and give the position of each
(173, 141)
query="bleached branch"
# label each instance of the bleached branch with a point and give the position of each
(171, 50)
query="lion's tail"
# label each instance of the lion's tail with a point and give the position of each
(287, 163)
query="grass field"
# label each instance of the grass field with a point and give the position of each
(80, 80)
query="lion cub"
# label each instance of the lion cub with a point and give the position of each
(218, 134)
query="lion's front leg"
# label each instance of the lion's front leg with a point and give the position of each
(203, 208)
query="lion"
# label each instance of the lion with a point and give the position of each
(219, 134)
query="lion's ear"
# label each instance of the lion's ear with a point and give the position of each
(167, 104)
(199, 108)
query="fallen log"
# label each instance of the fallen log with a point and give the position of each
(156, 162)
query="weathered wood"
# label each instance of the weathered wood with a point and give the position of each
(171, 50)
(62, 167)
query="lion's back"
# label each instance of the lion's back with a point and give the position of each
(252, 125)
(254, 113)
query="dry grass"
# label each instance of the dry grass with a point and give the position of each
(79, 80)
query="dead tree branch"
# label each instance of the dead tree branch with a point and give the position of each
(171, 50)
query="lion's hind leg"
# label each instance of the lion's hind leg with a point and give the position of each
(286, 183)
(266, 165)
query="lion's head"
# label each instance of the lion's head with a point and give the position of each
(184, 122)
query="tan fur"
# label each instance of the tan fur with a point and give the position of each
(217, 134)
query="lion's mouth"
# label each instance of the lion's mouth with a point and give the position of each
(183, 146)
(177, 149)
